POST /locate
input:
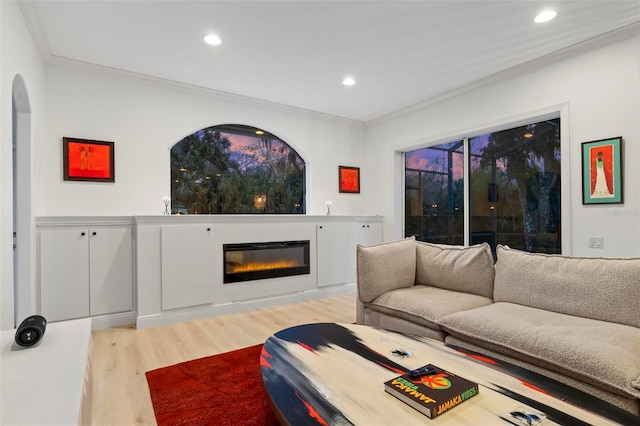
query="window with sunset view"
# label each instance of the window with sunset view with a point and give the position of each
(513, 189)
(236, 169)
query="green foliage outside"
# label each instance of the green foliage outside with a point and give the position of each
(210, 174)
(526, 173)
(514, 191)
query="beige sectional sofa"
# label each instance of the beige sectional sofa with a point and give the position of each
(576, 320)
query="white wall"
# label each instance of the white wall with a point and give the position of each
(19, 57)
(600, 92)
(145, 118)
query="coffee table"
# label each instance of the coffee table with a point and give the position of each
(333, 374)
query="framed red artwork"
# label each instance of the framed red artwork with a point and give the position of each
(88, 160)
(349, 179)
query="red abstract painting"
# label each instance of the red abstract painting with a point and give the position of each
(88, 160)
(349, 178)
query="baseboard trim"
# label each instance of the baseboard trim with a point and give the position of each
(172, 317)
(113, 320)
(206, 311)
(323, 292)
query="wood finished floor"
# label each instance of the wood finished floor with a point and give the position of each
(121, 356)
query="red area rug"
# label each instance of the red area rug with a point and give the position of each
(224, 389)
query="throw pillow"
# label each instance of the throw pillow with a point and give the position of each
(592, 287)
(458, 268)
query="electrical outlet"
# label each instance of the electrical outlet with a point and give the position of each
(595, 242)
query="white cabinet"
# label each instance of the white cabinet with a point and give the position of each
(336, 252)
(110, 271)
(64, 274)
(369, 233)
(85, 271)
(188, 265)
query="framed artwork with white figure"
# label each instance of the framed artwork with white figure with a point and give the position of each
(602, 171)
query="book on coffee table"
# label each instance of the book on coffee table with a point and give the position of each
(432, 391)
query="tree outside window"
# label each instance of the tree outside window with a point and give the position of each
(236, 169)
(514, 189)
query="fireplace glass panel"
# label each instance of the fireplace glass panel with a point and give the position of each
(255, 261)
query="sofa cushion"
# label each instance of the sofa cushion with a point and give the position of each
(378, 319)
(602, 353)
(385, 267)
(425, 305)
(458, 268)
(605, 289)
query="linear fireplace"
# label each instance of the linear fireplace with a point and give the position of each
(256, 261)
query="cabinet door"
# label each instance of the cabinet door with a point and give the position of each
(187, 265)
(336, 253)
(369, 233)
(64, 274)
(110, 270)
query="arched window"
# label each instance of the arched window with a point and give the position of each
(236, 169)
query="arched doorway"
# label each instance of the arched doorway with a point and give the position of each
(23, 227)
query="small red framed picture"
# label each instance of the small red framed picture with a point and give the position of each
(88, 160)
(349, 179)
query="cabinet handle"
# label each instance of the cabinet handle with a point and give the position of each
(83, 234)
(94, 233)
(320, 227)
(208, 229)
(367, 226)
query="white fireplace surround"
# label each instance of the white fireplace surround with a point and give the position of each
(177, 265)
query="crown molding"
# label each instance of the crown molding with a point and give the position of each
(88, 67)
(589, 45)
(32, 20)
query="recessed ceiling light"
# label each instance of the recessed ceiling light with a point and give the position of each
(349, 81)
(259, 132)
(544, 16)
(212, 39)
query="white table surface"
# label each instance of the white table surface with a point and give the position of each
(43, 384)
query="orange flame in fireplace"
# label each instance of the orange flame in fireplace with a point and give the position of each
(263, 266)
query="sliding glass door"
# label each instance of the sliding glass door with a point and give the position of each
(434, 193)
(513, 189)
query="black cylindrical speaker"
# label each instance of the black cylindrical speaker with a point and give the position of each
(31, 330)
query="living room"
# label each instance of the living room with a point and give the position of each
(594, 89)
(592, 92)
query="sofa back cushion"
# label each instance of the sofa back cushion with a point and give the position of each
(606, 289)
(385, 267)
(458, 268)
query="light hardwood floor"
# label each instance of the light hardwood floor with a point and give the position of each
(121, 356)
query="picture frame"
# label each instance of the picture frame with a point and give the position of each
(88, 160)
(349, 179)
(602, 174)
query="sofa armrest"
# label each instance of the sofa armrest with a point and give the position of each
(385, 267)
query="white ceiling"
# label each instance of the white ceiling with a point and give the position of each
(296, 53)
